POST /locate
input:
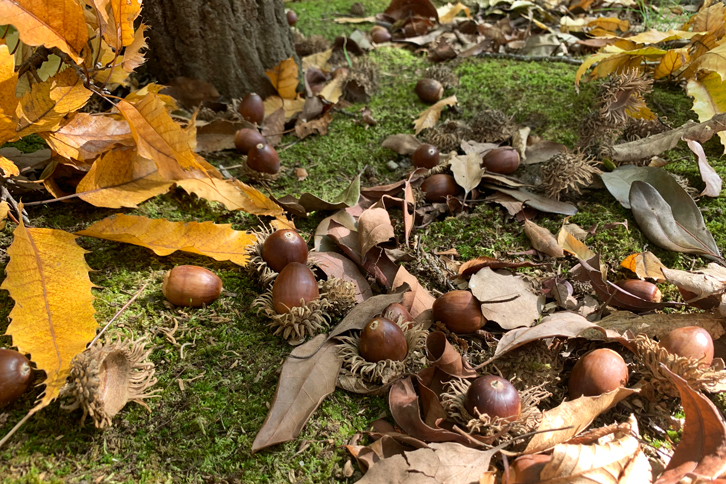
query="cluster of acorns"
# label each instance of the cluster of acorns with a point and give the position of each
(261, 157)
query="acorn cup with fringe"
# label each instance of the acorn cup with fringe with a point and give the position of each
(108, 375)
(448, 135)
(491, 126)
(567, 173)
(385, 350)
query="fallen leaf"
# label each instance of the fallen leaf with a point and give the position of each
(709, 100)
(362, 313)
(538, 202)
(133, 57)
(284, 78)
(292, 107)
(542, 239)
(258, 204)
(474, 147)
(354, 20)
(52, 318)
(319, 126)
(700, 284)
(319, 60)
(377, 192)
(121, 178)
(217, 135)
(310, 203)
(467, 171)
(84, 136)
(645, 265)
(339, 266)
(225, 192)
(8, 167)
(445, 357)
(4, 209)
(304, 384)
(274, 127)
(321, 239)
(505, 298)
(659, 325)
(448, 12)
(374, 227)
(572, 245)
(422, 300)
(399, 9)
(409, 217)
(430, 117)
(333, 90)
(403, 144)
(217, 241)
(702, 449)
(539, 150)
(475, 265)
(708, 174)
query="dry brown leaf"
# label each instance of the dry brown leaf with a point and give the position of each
(475, 265)
(133, 57)
(217, 241)
(403, 144)
(304, 384)
(467, 171)
(84, 136)
(448, 12)
(708, 174)
(121, 178)
(319, 60)
(52, 23)
(506, 299)
(571, 244)
(374, 227)
(284, 78)
(339, 266)
(362, 313)
(542, 239)
(274, 127)
(430, 117)
(409, 201)
(658, 325)
(159, 138)
(319, 125)
(422, 300)
(291, 106)
(52, 319)
(645, 265)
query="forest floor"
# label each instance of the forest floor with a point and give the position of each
(218, 367)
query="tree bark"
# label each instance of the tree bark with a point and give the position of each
(228, 43)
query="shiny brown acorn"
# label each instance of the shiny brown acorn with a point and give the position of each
(282, 247)
(527, 468)
(494, 396)
(503, 160)
(429, 90)
(642, 289)
(396, 311)
(294, 287)
(263, 158)
(380, 34)
(291, 18)
(599, 371)
(438, 187)
(252, 108)
(382, 339)
(245, 139)
(191, 286)
(459, 311)
(690, 342)
(425, 156)
(15, 376)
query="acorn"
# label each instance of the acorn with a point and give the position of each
(429, 90)
(425, 156)
(380, 34)
(263, 158)
(527, 468)
(504, 161)
(642, 289)
(438, 187)
(459, 311)
(291, 18)
(294, 287)
(599, 371)
(494, 396)
(282, 247)
(252, 108)
(15, 376)
(191, 286)
(245, 139)
(382, 339)
(690, 342)
(396, 311)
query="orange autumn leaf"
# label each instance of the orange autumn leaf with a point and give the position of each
(84, 136)
(122, 22)
(672, 62)
(217, 241)
(261, 204)
(52, 319)
(133, 57)
(222, 191)
(51, 23)
(8, 101)
(284, 77)
(159, 138)
(121, 178)
(140, 94)
(8, 168)
(430, 117)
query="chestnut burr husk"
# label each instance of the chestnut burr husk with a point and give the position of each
(382, 339)
(429, 90)
(501, 160)
(494, 396)
(252, 108)
(245, 139)
(15, 376)
(425, 156)
(599, 371)
(283, 247)
(459, 311)
(690, 342)
(263, 158)
(293, 287)
(191, 286)
(438, 187)
(642, 289)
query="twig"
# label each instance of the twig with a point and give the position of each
(118, 314)
(5, 195)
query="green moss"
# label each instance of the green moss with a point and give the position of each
(28, 144)
(318, 17)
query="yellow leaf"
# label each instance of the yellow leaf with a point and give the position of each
(4, 209)
(616, 61)
(121, 23)
(333, 90)
(593, 59)
(159, 138)
(284, 78)
(449, 12)
(84, 136)
(262, 204)
(430, 117)
(570, 244)
(713, 60)
(292, 106)
(140, 94)
(219, 242)
(44, 106)
(52, 319)
(222, 191)
(113, 72)
(655, 36)
(610, 24)
(709, 20)
(672, 61)
(51, 23)
(641, 111)
(8, 167)
(133, 57)
(8, 81)
(282, 223)
(121, 178)
(709, 98)
(319, 60)
(645, 264)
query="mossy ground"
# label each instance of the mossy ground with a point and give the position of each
(219, 370)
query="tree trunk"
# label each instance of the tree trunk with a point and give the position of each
(228, 43)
